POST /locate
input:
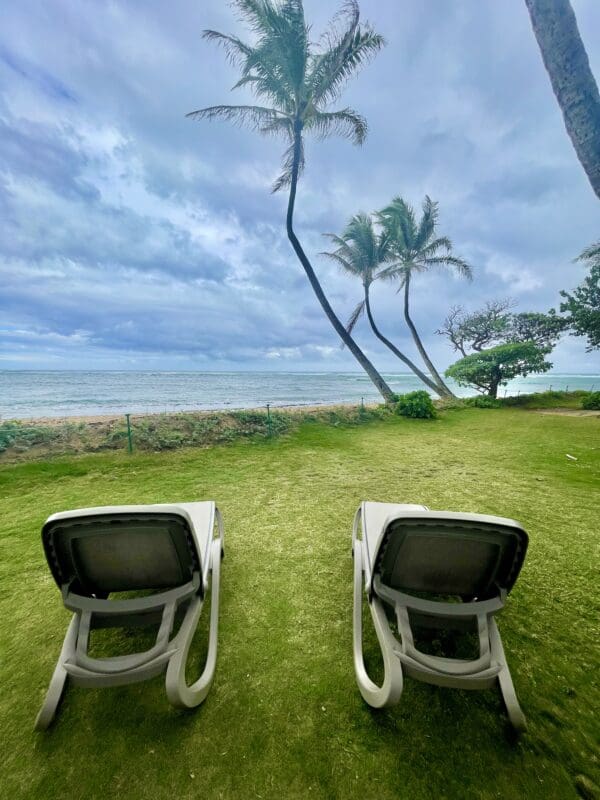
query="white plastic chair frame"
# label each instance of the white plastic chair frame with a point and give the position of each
(402, 656)
(168, 654)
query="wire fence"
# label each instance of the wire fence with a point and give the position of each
(169, 430)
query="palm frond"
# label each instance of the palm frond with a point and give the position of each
(282, 50)
(461, 266)
(591, 253)
(343, 261)
(427, 224)
(354, 317)
(433, 248)
(236, 50)
(257, 118)
(258, 13)
(344, 248)
(399, 220)
(280, 125)
(344, 256)
(344, 52)
(288, 165)
(394, 272)
(360, 234)
(346, 123)
(267, 87)
(383, 246)
(257, 70)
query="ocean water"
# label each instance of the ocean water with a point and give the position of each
(29, 394)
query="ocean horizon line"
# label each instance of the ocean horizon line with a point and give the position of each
(257, 372)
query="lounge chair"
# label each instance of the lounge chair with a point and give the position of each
(407, 557)
(172, 549)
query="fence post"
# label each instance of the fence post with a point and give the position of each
(129, 442)
(269, 420)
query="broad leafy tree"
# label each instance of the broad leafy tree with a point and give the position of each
(416, 248)
(555, 28)
(297, 81)
(583, 304)
(537, 327)
(488, 369)
(362, 251)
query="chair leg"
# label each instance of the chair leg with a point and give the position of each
(179, 693)
(391, 689)
(59, 678)
(507, 689)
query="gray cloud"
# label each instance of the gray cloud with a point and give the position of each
(130, 236)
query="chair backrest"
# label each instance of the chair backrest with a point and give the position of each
(446, 553)
(118, 552)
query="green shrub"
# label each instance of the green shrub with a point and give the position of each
(417, 405)
(592, 401)
(482, 401)
(23, 436)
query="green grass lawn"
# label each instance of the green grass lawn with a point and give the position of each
(284, 718)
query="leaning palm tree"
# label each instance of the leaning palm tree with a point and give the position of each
(563, 52)
(363, 252)
(298, 81)
(414, 249)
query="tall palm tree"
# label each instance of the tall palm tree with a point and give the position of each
(414, 249)
(363, 252)
(555, 28)
(298, 81)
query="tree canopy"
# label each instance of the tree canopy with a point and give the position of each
(488, 369)
(415, 247)
(296, 78)
(362, 251)
(494, 324)
(583, 305)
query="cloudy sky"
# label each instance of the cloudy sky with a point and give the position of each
(133, 238)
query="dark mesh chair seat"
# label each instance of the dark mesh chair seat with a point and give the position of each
(449, 556)
(121, 552)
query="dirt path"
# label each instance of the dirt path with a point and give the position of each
(568, 412)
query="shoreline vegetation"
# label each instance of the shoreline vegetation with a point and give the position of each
(47, 437)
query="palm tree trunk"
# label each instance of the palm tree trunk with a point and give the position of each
(443, 389)
(555, 28)
(358, 354)
(421, 375)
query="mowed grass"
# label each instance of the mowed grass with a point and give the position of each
(284, 718)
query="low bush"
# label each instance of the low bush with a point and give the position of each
(417, 405)
(483, 401)
(18, 435)
(550, 399)
(592, 401)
